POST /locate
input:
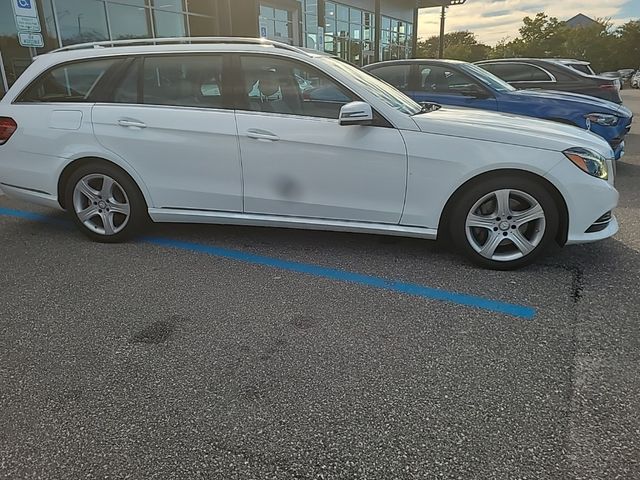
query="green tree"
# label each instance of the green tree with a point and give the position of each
(461, 45)
(629, 45)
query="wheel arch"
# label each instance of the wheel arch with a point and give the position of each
(72, 166)
(563, 211)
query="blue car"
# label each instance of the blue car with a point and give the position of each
(450, 82)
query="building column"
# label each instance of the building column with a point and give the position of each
(378, 29)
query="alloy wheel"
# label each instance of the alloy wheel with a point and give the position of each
(101, 204)
(505, 225)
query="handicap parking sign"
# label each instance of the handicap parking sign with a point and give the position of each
(24, 4)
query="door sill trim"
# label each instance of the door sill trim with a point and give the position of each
(165, 215)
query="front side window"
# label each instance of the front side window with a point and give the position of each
(182, 80)
(438, 79)
(74, 82)
(277, 85)
(396, 75)
(384, 92)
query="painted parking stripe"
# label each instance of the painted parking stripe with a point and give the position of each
(413, 289)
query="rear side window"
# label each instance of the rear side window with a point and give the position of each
(183, 80)
(396, 75)
(517, 72)
(72, 82)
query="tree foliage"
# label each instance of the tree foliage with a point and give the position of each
(457, 45)
(607, 48)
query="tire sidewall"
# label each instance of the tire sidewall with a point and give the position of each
(474, 192)
(138, 217)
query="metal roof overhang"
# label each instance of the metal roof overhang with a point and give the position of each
(438, 3)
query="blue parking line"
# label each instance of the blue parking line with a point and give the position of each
(413, 289)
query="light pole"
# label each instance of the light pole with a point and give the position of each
(443, 13)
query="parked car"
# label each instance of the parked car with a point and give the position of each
(524, 73)
(450, 82)
(617, 76)
(635, 80)
(579, 65)
(626, 74)
(142, 141)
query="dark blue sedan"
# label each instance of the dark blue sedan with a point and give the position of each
(450, 82)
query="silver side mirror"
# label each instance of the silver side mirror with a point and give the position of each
(356, 113)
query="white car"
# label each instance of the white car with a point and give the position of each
(122, 133)
(635, 80)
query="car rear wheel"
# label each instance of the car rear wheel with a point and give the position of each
(504, 223)
(105, 203)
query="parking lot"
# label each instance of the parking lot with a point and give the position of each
(223, 352)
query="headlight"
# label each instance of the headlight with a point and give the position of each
(588, 161)
(603, 119)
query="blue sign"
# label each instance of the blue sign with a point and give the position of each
(24, 4)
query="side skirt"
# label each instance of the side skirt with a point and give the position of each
(165, 215)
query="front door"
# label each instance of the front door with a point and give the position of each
(448, 86)
(176, 128)
(298, 161)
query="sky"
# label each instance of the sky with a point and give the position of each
(493, 20)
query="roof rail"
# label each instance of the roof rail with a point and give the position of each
(179, 40)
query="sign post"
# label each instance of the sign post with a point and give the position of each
(28, 23)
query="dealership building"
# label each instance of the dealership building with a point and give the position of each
(360, 31)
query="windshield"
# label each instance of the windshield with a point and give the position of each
(381, 90)
(487, 77)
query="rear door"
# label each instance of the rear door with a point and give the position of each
(171, 119)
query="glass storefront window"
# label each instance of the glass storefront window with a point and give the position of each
(395, 39)
(169, 24)
(171, 5)
(128, 22)
(81, 21)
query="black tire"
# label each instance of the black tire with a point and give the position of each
(137, 218)
(467, 199)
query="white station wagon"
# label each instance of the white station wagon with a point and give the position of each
(253, 132)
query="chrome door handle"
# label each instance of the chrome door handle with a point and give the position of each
(131, 123)
(258, 134)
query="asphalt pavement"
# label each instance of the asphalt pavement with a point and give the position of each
(213, 352)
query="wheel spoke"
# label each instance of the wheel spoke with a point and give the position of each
(521, 242)
(122, 208)
(529, 215)
(107, 188)
(480, 221)
(87, 191)
(107, 221)
(489, 248)
(502, 202)
(87, 213)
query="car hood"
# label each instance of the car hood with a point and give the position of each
(598, 105)
(510, 129)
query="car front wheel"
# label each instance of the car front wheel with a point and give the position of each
(504, 223)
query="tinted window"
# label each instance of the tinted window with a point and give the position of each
(74, 82)
(517, 72)
(396, 75)
(282, 86)
(183, 80)
(435, 78)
